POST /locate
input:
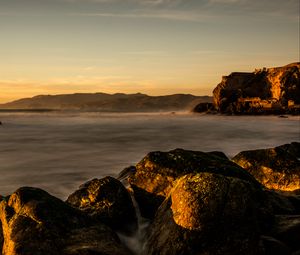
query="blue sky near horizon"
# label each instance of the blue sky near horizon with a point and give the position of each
(149, 46)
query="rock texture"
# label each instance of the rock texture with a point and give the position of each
(199, 203)
(287, 229)
(283, 203)
(35, 222)
(106, 200)
(271, 246)
(155, 174)
(208, 213)
(203, 107)
(272, 90)
(277, 168)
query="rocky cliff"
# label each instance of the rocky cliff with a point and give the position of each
(266, 90)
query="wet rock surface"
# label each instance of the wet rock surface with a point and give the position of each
(287, 229)
(208, 214)
(106, 200)
(271, 246)
(35, 222)
(199, 203)
(282, 203)
(276, 168)
(156, 173)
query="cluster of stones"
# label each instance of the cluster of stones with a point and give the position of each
(196, 202)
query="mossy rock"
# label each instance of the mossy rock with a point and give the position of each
(276, 168)
(208, 213)
(155, 174)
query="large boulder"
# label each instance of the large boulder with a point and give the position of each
(262, 91)
(35, 222)
(156, 172)
(287, 230)
(277, 168)
(271, 246)
(208, 213)
(283, 204)
(107, 200)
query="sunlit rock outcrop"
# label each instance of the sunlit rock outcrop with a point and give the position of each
(208, 213)
(267, 90)
(1, 236)
(35, 222)
(106, 200)
(156, 172)
(276, 168)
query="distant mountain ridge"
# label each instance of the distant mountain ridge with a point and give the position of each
(118, 102)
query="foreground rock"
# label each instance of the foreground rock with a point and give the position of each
(267, 90)
(106, 200)
(35, 222)
(155, 174)
(208, 214)
(277, 168)
(283, 204)
(287, 229)
(270, 245)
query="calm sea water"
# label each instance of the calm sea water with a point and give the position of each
(60, 151)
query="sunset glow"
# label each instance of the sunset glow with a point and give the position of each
(149, 46)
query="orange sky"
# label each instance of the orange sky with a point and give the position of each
(148, 46)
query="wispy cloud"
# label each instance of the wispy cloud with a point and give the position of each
(143, 2)
(146, 53)
(166, 15)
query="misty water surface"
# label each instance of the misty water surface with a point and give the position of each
(60, 151)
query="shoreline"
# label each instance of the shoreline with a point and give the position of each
(104, 207)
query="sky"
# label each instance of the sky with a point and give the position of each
(155, 47)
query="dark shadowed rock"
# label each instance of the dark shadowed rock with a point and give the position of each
(126, 173)
(219, 154)
(106, 200)
(156, 173)
(281, 203)
(287, 230)
(35, 222)
(295, 201)
(203, 107)
(292, 148)
(271, 246)
(208, 213)
(277, 168)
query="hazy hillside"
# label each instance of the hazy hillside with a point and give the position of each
(106, 102)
